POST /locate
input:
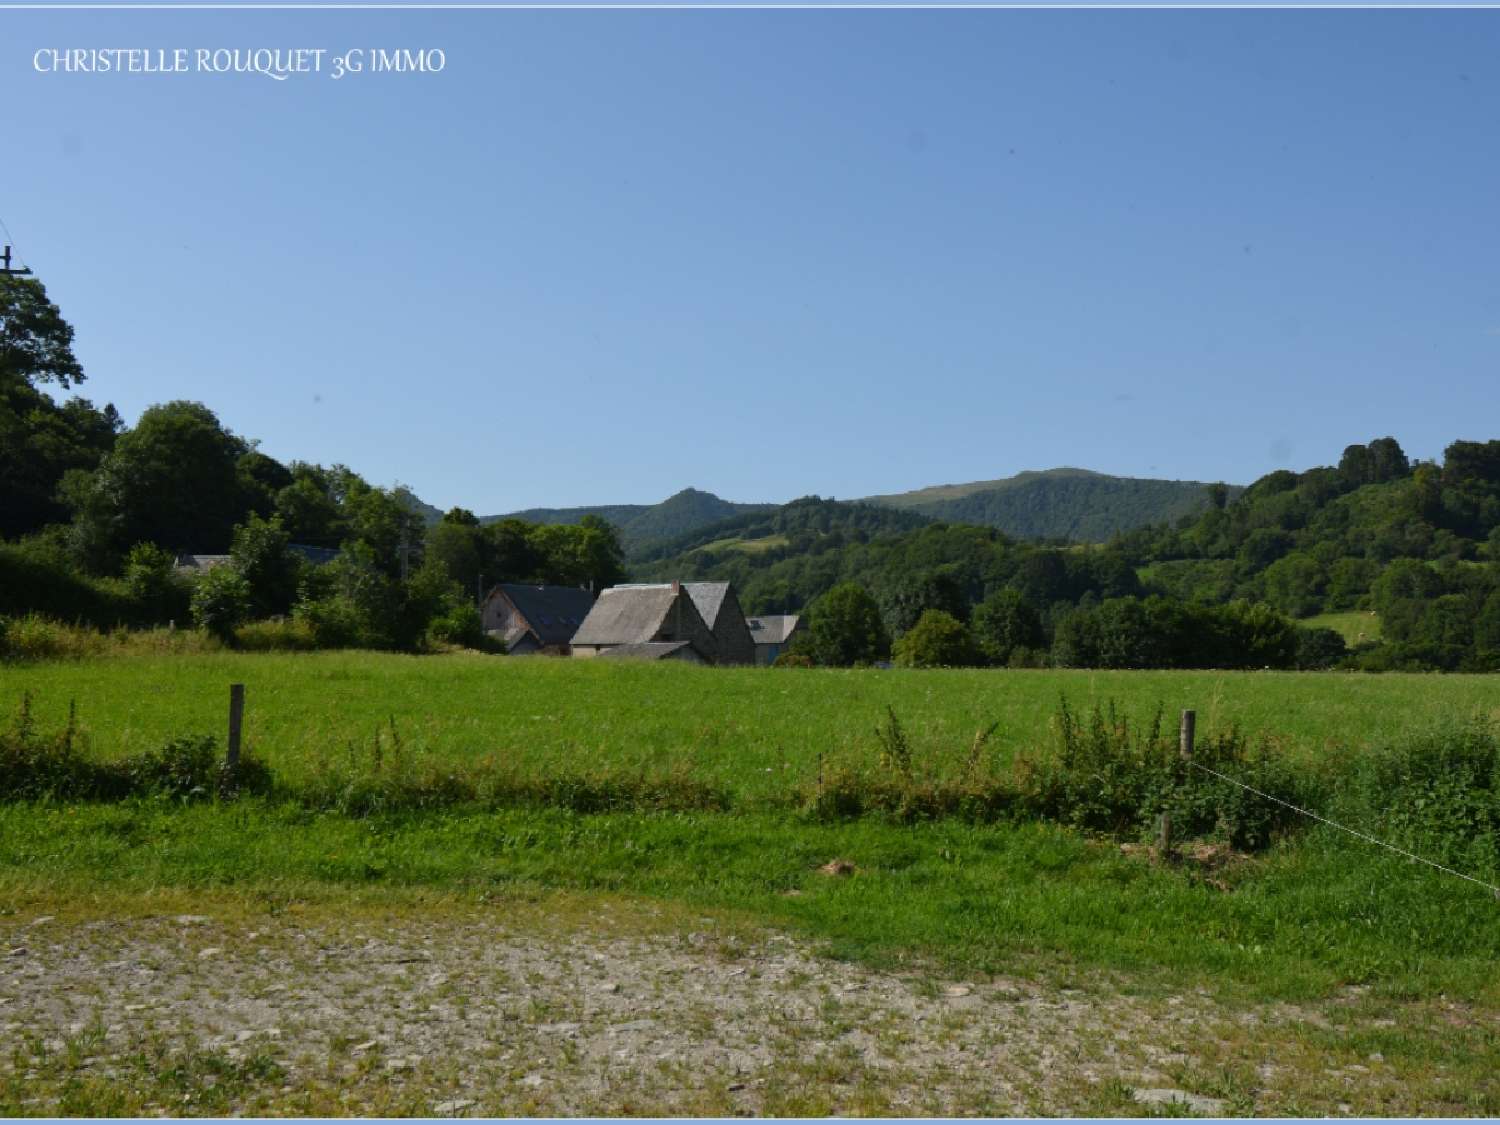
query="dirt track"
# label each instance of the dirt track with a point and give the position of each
(474, 1016)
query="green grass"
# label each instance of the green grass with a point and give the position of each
(1301, 919)
(1357, 627)
(1035, 898)
(751, 731)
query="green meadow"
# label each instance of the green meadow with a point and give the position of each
(748, 730)
(1313, 912)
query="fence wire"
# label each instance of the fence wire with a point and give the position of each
(1342, 828)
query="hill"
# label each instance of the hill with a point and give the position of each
(641, 525)
(1073, 504)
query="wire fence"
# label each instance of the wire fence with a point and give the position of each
(1344, 828)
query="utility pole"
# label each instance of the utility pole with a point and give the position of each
(5, 267)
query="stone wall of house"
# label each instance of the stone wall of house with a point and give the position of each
(683, 623)
(736, 644)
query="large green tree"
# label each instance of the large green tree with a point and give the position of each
(40, 439)
(173, 480)
(845, 628)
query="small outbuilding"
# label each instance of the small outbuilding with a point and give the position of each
(773, 634)
(535, 619)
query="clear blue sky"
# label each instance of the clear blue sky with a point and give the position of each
(606, 255)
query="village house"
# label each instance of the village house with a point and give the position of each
(535, 619)
(647, 621)
(720, 609)
(773, 635)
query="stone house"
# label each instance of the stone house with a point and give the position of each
(648, 621)
(535, 619)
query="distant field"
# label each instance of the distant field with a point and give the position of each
(750, 730)
(749, 546)
(1358, 627)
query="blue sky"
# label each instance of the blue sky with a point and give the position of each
(606, 255)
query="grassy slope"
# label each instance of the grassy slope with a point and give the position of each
(1357, 626)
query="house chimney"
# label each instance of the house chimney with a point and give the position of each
(676, 586)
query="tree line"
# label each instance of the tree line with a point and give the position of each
(94, 514)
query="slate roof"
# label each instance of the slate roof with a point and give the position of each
(626, 615)
(772, 629)
(650, 650)
(553, 612)
(709, 598)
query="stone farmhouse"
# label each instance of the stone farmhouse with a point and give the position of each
(657, 621)
(535, 619)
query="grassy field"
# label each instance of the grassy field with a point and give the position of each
(749, 546)
(1357, 627)
(749, 730)
(1301, 922)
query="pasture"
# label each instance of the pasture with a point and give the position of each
(1336, 951)
(749, 730)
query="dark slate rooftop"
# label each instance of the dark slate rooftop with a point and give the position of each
(553, 612)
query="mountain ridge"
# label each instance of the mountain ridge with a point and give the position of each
(1061, 503)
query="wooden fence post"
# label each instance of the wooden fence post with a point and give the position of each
(236, 722)
(1185, 751)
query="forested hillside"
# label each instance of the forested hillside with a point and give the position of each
(1417, 545)
(1072, 504)
(643, 526)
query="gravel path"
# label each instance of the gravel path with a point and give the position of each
(477, 1015)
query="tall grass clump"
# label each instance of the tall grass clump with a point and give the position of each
(1104, 773)
(1435, 793)
(384, 775)
(38, 765)
(900, 787)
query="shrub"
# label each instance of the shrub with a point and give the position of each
(33, 637)
(792, 660)
(333, 622)
(937, 640)
(152, 581)
(1320, 648)
(1436, 793)
(1106, 774)
(221, 602)
(278, 635)
(458, 624)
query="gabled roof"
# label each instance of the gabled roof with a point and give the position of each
(772, 629)
(651, 650)
(553, 612)
(626, 615)
(709, 598)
